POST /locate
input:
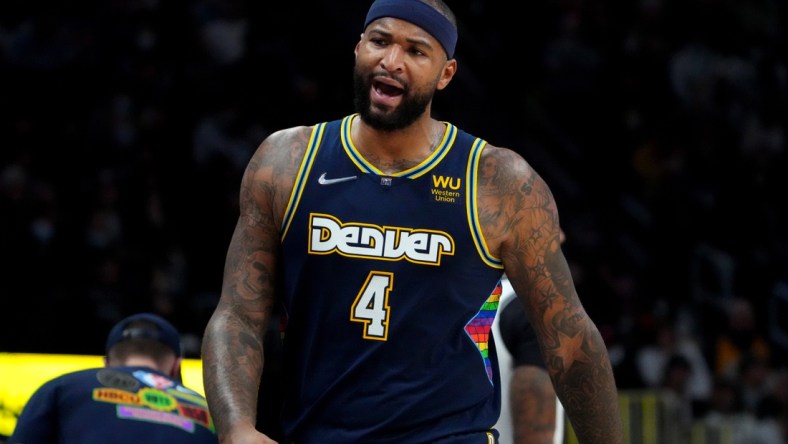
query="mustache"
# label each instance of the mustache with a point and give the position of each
(383, 73)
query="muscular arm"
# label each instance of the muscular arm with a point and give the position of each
(520, 221)
(232, 349)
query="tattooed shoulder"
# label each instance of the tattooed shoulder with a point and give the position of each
(270, 173)
(513, 200)
(282, 149)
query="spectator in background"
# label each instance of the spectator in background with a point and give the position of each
(740, 337)
(728, 417)
(137, 397)
(755, 376)
(674, 384)
(668, 343)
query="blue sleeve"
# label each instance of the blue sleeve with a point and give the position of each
(37, 424)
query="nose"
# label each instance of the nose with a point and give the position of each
(393, 59)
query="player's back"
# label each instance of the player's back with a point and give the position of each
(114, 404)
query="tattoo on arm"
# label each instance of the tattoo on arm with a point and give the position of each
(520, 221)
(233, 342)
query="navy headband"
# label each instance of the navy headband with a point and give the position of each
(421, 15)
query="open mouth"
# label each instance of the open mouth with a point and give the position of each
(386, 90)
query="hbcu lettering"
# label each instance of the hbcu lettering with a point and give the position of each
(328, 235)
(115, 396)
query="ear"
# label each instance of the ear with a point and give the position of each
(358, 44)
(449, 69)
(175, 372)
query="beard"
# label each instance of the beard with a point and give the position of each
(413, 105)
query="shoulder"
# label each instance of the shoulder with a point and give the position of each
(514, 201)
(281, 148)
(271, 172)
(278, 156)
(286, 147)
(75, 376)
(295, 135)
(507, 178)
(501, 163)
(73, 379)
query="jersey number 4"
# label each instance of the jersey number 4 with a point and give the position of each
(371, 306)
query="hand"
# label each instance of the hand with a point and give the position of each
(245, 435)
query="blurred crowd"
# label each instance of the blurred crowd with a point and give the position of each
(659, 124)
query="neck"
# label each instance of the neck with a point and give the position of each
(143, 361)
(140, 361)
(395, 151)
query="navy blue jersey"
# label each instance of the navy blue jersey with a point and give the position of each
(390, 293)
(122, 405)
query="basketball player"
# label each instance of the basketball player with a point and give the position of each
(385, 235)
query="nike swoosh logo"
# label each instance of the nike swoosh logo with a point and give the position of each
(323, 181)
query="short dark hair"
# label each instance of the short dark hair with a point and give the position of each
(142, 345)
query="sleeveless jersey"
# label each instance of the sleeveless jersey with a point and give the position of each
(120, 405)
(390, 293)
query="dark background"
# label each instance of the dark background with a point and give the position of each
(659, 125)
